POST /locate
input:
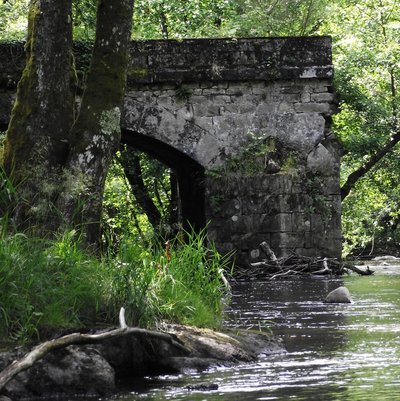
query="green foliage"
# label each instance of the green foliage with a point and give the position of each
(156, 19)
(54, 284)
(84, 18)
(276, 17)
(46, 285)
(250, 160)
(13, 19)
(191, 284)
(179, 284)
(371, 213)
(366, 53)
(122, 214)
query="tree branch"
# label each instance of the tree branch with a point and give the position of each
(43, 349)
(361, 171)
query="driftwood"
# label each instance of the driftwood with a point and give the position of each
(43, 349)
(268, 252)
(294, 265)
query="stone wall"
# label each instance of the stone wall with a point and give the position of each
(254, 115)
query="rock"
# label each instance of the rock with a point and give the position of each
(212, 348)
(90, 370)
(339, 295)
(202, 387)
(74, 370)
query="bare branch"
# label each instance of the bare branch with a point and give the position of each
(43, 349)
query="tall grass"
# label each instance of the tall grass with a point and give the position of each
(53, 284)
(46, 284)
(182, 285)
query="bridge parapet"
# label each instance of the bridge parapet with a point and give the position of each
(264, 59)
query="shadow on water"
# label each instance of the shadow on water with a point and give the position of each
(334, 351)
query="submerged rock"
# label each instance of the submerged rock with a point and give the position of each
(202, 387)
(339, 295)
(97, 370)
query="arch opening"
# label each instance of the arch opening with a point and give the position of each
(190, 176)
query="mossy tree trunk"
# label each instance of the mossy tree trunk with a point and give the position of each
(58, 165)
(96, 134)
(37, 138)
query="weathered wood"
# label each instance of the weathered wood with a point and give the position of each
(298, 265)
(269, 253)
(43, 349)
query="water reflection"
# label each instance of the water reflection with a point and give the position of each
(335, 352)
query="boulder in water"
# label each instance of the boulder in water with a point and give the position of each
(339, 295)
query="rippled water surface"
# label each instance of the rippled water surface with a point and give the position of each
(334, 352)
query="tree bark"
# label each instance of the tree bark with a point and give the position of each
(133, 171)
(37, 136)
(96, 133)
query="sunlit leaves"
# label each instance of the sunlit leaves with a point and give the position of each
(366, 55)
(176, 19)
(276, 17)
(13, 19)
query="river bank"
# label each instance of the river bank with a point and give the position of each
(97, 370)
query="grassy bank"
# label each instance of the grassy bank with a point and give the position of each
(53, 284)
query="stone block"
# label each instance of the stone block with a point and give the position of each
(235, 91)
(291, 88)
(301, 222)
(321, 161)
(272, 184)
(205, 123)
(332, 185)
(287, 240)
(260, 203)
(323, 108)
(266, 108)
(305, 97)
(292, 202)
(214, 91)
(317, 225)
(281, 222)
(308, 240)
(205, 108)
(323, 97)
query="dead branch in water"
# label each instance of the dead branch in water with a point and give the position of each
(43, 349)
(296, 265)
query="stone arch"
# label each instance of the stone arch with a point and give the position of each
(211, 108)
(189, 173)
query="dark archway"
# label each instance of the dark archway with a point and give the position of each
(189, 173)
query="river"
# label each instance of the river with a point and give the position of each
(334, 351)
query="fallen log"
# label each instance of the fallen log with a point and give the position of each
(43, 349)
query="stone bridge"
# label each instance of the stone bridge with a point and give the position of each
(245, 124)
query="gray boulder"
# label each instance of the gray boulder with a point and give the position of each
(339, 295)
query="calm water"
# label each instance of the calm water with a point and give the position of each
(335, 352)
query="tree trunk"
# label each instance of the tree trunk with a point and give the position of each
(133, 171)
(37, 137)
(96, 133)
